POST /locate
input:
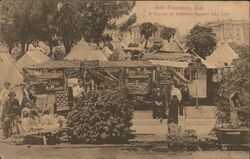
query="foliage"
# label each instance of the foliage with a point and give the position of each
(8, 35)
(102, 116)
(167, 33)
(23, 18)
(68, 23)
(98, 14)
(201, 40)
(58, 21)
(130, 21)
(235, 80)
(147, 29)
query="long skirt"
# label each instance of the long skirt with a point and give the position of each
(173, 112)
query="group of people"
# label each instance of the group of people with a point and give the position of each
(18, 113)
(167, 107)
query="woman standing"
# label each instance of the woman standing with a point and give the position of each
(173, 110)
(174, 105)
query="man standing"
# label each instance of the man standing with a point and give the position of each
(25, 96)
(3, 97)
(158, 103)
(11, 109)
(78, 91)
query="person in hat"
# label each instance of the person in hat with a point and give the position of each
(159, 102)
(24, 95)
(11, 109)
(26, 110)
(3, 97)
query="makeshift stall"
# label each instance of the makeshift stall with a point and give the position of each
(50, 83)
(135, 75)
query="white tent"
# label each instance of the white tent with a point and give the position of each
(172, 47)
(222, 56)
(107, 52)
(8, 70)
(119, 45)
(83, 51)
(32, 57)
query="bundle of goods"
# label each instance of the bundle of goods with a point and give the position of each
(209, 144)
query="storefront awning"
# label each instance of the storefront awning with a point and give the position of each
(170, 63)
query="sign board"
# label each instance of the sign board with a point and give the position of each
(136, 80)
(89, 64)
(141, 89)
(49, 85)
(45, 73)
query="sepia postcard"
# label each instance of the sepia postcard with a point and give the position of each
(88, 79)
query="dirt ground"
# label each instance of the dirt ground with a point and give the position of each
(146, 130)
(79, 152)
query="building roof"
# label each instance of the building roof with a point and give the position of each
(115, 64)
(83, 51)
(32, 57)
(172, 47)
(168, 56)
(9, 71)
(222, 56)
(62, 64)
(119, 55)
(76, 64)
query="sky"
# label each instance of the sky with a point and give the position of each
(184, 14)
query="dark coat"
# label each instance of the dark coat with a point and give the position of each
(158, 98)
(10, 109)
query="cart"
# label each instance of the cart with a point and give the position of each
(229, 137)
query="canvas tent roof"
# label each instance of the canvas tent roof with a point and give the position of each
(32, 57)
(119, 45)
(172, 47)
(120, 55)
(208, 65)
(9, 71)
(83, 51)
(223, 55)
(107, 52)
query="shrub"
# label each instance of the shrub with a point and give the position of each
(102, 116)
(235, 79)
